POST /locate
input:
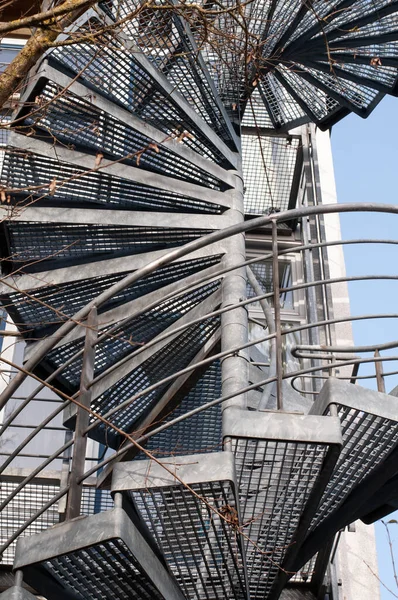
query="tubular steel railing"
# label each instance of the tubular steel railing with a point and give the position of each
(328, 357)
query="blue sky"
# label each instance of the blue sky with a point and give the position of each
(366, 167)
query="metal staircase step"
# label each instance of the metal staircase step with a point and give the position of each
(196, 525)
(283, 464)
(101, 555)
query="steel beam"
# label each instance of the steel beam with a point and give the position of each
(73, 504)
(127, 218)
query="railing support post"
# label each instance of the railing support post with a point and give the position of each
(82, 418)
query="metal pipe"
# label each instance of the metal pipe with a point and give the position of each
(234, 324)
(210, 404)
(18, 578)
(221, 355)
(48, 343)
(179, 329)
(229, 308)
(208, 361)
(218, 273)
(73, 504)
(379, 373)
(356, 361)
(336, 543)
(176, 330)
(348, 378)
(370, 348)
(220, 311)
(277, 312)
(128, 446)
(163, 336)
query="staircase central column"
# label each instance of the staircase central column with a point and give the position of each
(234, 323)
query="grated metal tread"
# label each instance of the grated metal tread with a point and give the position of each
(175, 356)
(202, 549)
(26, 175)
(100, 68)
(53, 245)
(278, 470)
(199, 433)
(269, 165)
(275, 482)
(75, 121)
(369, 436)
(129, 337)
(44, 308)
(176, 55)
(100, 556)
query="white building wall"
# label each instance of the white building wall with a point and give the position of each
(356, 559)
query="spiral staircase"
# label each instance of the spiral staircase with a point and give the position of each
(124, 269)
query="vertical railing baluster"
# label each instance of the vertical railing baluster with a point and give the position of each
(82, 418)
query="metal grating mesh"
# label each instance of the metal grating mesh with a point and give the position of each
(103, 571)
(173, 53)
(256, 113)
(199, 433)
(275, 480)
(31, 499)
(173, 357)
(201, 548)
(268, 167)
(263, 273)
(55, 245)
(316, 101)
(70, 119)
(283, 109)
(305, 573)
(362, 8)
(367, 440)
(128, 337)
(286, 41)
(26, 503)
(116, 73)
(45, 307)
(357, 95)
(380, 74)
(26, 176)
(95, 500)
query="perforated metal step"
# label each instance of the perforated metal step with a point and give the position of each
(96, 557)
(196, 525)
(283, 462)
